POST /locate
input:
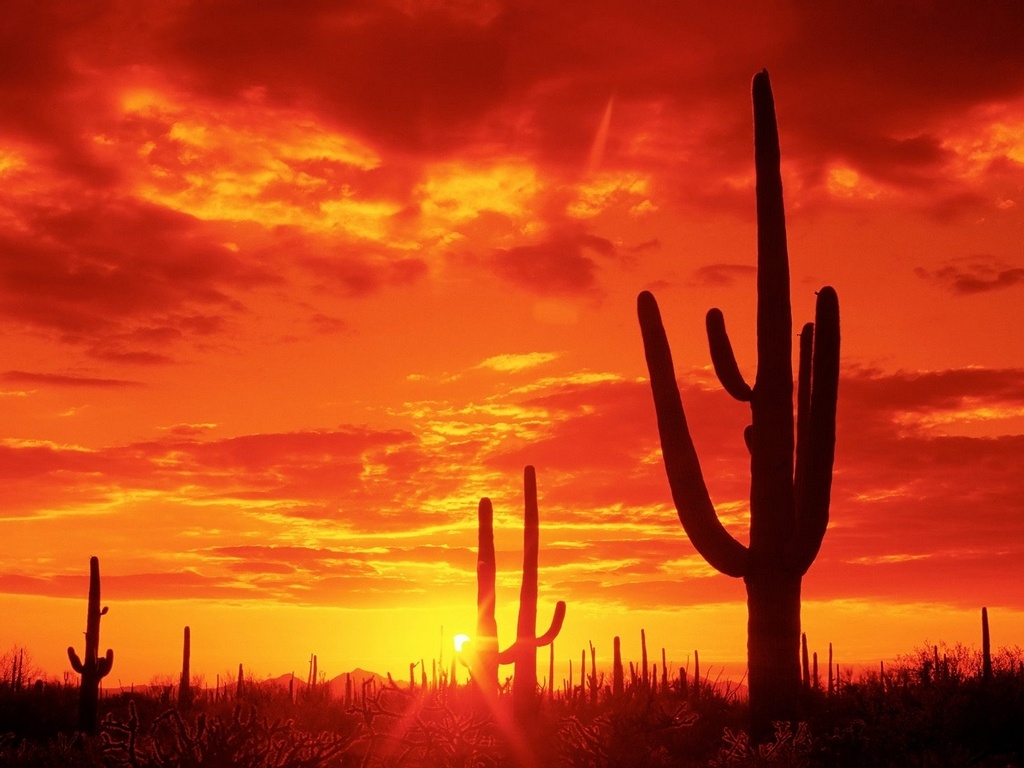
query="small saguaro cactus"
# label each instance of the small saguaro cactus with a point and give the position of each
(789, 502)
(643, 658)
(986, 648)
(185, 686)
(94, 667)
(617, 682)
(523, 652)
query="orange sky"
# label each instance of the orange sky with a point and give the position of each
(286, 287)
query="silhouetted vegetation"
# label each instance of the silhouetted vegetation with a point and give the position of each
(523, 652)
(93, 668)
(932, 707)
(789, 501)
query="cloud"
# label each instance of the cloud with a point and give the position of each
(973, 275)
(718, 275)
(361, 276)
(511, 363)
(410, 78)
(113, 274)
(64, 380)
(561, 265)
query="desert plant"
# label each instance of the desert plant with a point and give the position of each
(94, 668)
(986, 648)
(523, 652)
(788, 504)
(184, 687)
(617, 685)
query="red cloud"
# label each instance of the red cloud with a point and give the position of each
(973, 275)
(562, 265)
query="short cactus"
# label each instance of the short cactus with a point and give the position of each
(94, 668)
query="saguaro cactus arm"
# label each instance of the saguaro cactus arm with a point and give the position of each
(510, 654)
(555, 627)
(816, 436)
(723, 359)
(689, 492)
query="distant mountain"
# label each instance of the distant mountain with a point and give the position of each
(336, 685)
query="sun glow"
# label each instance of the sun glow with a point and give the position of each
(460, 642)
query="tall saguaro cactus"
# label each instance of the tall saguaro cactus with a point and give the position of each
(185, 685)
(789, 501)
(485, 643)
(523, 652)
(94, 667)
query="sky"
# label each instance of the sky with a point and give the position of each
(287, 287)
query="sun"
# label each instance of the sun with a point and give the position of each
(460, 640)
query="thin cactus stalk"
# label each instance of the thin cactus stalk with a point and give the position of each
(805, 660)
(485, 656)
(986, 648)
(484, 659)
(184, 686)
(523, 653)
(238, 689)
(696, 676)
(617, 676)
(815, 683)
(831, 684)
(643, 658)
(551, 671)
(664, 671)
(94, 667)
(583, 675)
(593, 674)
(789, 498)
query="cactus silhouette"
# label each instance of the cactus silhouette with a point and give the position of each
(617, 684)
(789, 502)
(94, 667)
(523, 652)
(986, 648)
(185, 686)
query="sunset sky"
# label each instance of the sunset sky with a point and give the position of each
(286, 287)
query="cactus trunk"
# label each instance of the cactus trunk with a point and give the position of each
(805, 659)
(617, 686)
(986, 648)
(94, 668)
(525, 681)
(791, 469)
(643, 658)
(184, 687)
(484, 666)
(484, 655)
